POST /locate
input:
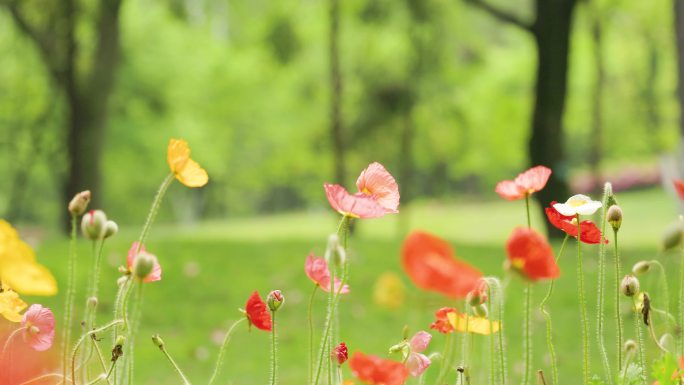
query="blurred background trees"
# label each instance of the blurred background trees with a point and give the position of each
(276, 97)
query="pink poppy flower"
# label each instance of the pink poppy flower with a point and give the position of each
(156, 272)
(317, 270)
(418, 362)
(39, 327)
(524, 184)
(378, 194)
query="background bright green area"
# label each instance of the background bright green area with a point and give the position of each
(211, 269)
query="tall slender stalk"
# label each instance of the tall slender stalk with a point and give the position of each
(69, 300)
(527, 333)
(222, 350)
(274, 350)
(681, 301)
(618, 316)
(446, 359)
(600, 298)
(547, 316)
(309, 316)
(583, 307)
(640, 342)
(175, 365)
(81, 340)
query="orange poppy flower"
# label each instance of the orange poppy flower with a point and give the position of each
(430, 263)
(257, 312)
(524, 184)
(377, 371)
(186, 170)
(530, 253)
(448, 319)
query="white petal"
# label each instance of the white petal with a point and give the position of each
(565, 209)
(589, 208)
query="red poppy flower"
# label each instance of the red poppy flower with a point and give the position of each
(340, 353)
(524, 184)
(430, 263)
(529, 252)
(679, 186)
(257, 312)
(442, 323)
(590, 233)
(377, 371)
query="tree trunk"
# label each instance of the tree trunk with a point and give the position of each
(679, 38)
(336, 133)
(552, 37)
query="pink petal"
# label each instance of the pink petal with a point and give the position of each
(156, 273)
(358, 205)
(417, 363)
(132, 253)
(420, 341)
(533, 179)
(43, 319)
(377, 182)
(316, 269)
(508, 190)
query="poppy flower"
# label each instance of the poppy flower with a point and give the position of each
(340, 353)
(430, 263)
(186, 170)
(154, 270)
(417, 362)
(442, 323)
(590, 233)
(378, 194)
(10, 304)
(39, 327)
(679, 186)
(578, 205)
(530, 253)
(257, 312)
(472, 324)
(524, 184)
(377, 371)
(317, 270)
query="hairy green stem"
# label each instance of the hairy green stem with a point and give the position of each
(527, 208)
(222, 350)
(80, 341)
(640, 341)
(547, 316)
(583, 307)
(274, 350)
(156, 203)
(309, 316)
(446, 358)
(527, 333)
(600, 298)
(499, 295)
(175, 365)
(619, 327)
(69, 300)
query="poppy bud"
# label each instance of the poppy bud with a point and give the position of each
(629, 285)
(275, 300)
(143, 265)
(641, 267)
(92, 303)
(608, 191)
(79, 203)
(481, 310)
(334, 252)
(614, 217)
(340, 353)
(630, 346)
(157, 341)
(110, 228)
(478, 295)
(673, 236)
(93, 223)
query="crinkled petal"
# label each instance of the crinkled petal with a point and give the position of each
(29, 279)
(257, 312)
(357, 206)
(192, 175)
(589, 208)
(529, 252)
(534, 179)
(377, 371)
(679, 186)
(417, 363)
(472, 324)
(508, 190)
(377, 182)
(11, 305)
(420, 341)
(565, 209)
(41, 318)
(177, 154)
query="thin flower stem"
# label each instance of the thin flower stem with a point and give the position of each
(80, 341)
(583, 307)
(69, 299)
(102, 361)
(663, 284)
(222, 350)
(466, 346)
(618, 316)
(309, 316)
(118, 313)
(492, 346)
(547, 316)
(332, 309)
(600, 298)
(681, 301)
(640, 341)
(628, 360)
(444, 369)
(154, 209)
(274, 350)
(9, 340)
(527, 207)
(44, 376)
(494, 282)
(135, 324)
(175, 365)
(651, 330)
(527, 333)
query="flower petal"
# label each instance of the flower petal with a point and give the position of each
(417, 363)
(534, 179)
(529, 252)
(420, 341)
(508, 190)
(258, 313)
(192, 175)
(177, 154)
(472, 324)
(357, 206)
(679, 186)
(377, 182)
(377, 371)
(44, 321)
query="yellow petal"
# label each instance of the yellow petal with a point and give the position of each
(389, 291)
(177, 155)
(474, 324)
(192, 175)
(11, 305)
(29, 279)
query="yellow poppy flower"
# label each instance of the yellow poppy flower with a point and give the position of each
(473, 324)
(18, 266)
(186, 170)
(10, 304)
(388, 291)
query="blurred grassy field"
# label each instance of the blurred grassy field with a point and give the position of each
(211, 268)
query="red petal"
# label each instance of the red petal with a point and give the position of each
(431, 265)
(590, 232)
(377, 371)
(257, 312)
(442, 323)
(679, 186)
(528, 248)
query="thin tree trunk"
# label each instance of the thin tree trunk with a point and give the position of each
(552, 37)
(336, 130)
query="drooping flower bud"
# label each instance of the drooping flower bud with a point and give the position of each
(614, 217)
(143, 264)
(93, 224)
(157, 341)
(629, 285)
(630, 346)
(641, 267)
(481, 310)
(334, 252)
(275, 300)
(608, 191)
(340, 353)
(92, 303)
(110, 228)
(478, 295)
(672, 237)
(79, 203)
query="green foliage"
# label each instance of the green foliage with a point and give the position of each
(634, 375)
(666, 370)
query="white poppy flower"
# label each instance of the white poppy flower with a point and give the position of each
(578, 205)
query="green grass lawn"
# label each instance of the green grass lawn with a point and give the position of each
(211, 268)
